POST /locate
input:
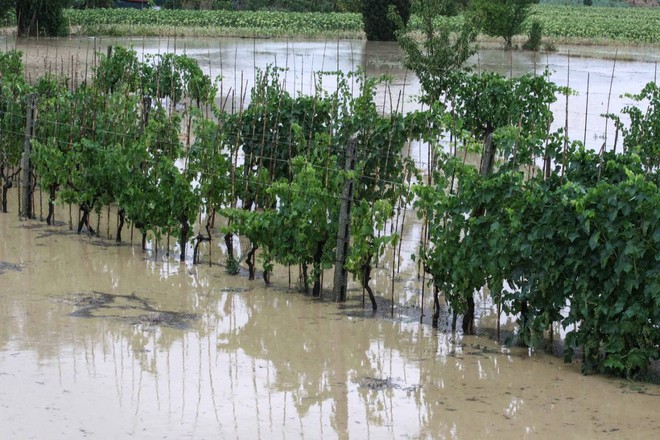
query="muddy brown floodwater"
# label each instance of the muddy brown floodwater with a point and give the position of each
(600, 76)
(102, 341)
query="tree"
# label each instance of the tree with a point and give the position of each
(500, 18)
(349, 6)
(89, 4)
(378, 25)
(438, 55)
(36, 17)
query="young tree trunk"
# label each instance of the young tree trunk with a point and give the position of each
(266, 277)
(5, 187)
(198, 240)
(7, 184)
(120, 225)
(249, 260)
(183, 239)
(144, 241)
(304, 278)
(51, 205)
(84, 220)
(365, 283)
(524, 317)
(468, 317)
(436, 306)
(229, 242)
(318, 256)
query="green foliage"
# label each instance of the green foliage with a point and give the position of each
(120, 69)
(349, 6)
(439, 55)
(378, 25)
(535, 36)
(198, 4)
(233, 266)
(89, 4)
(274, 128)
(577, 246)
(599, 3)
(40, 17)
(643, 135)
(500, 18)
(271, 23)
(308, 213)
(639, 25)
(13, 107)
(176, 77)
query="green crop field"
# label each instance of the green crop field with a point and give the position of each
(259, 22)
(624, 25)
(637, 25)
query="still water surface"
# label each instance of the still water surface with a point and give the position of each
(102, 341)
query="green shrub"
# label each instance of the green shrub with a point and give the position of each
(534, 37)
(377, 24)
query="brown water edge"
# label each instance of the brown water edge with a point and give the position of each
(103, 341)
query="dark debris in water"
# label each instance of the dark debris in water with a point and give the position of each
(94, 299)
(130, 309)
(168, 319)
(47, 233)
(380, 384)
(376, 384)
(5, 267)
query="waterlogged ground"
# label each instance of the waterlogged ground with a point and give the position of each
(102, 341)
(599, 76)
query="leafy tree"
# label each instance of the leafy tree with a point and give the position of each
(37, 17)
(13, 105)
(643, 135)
(507, 118)
(307, 217)
(365, 219)
(378, 24)
(89, 4)
(440, 54)
(211, 163)
(500, 18)
(119, 70)
(349, 6)
(535, 36)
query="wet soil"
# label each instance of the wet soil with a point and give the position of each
(109, 342)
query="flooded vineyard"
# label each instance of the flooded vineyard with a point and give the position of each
(600, 76)
(100, 339)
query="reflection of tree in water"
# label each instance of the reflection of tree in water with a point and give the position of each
(313, 354)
